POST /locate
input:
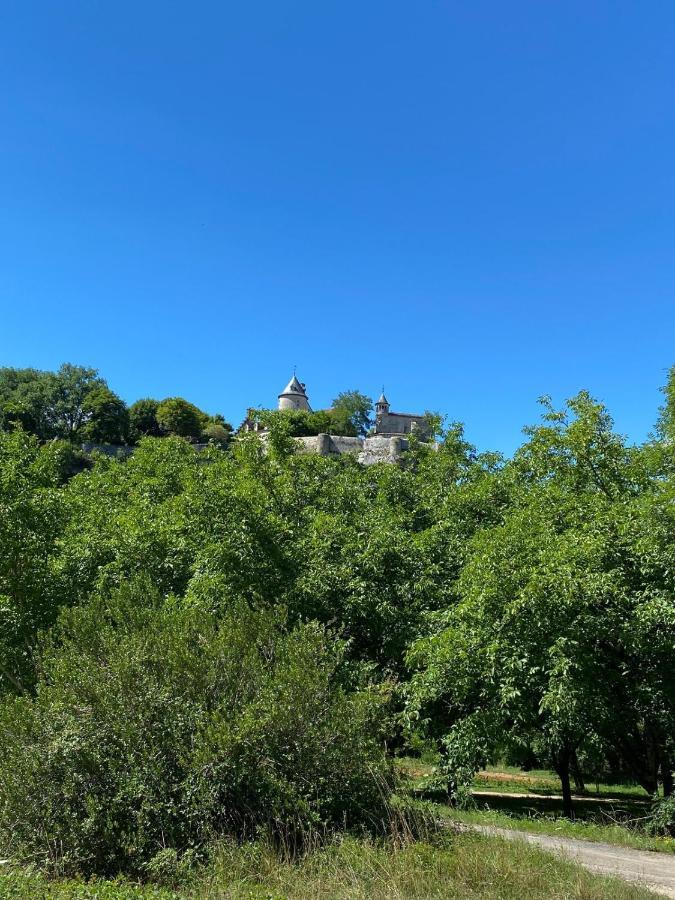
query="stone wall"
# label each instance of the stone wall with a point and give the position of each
(329, 445)
(107, 449)
(382, 449)
(369, 450)
(339, 444)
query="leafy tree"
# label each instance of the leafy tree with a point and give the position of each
(143, 419)
(217, 431)
(351, 413)
(71, 387)
(666, 422)
(60, 404)
(434, 425)
(32, 515)
(26, 401)
(107, 417)
(554, 642)
(349, 416)
(179, 417)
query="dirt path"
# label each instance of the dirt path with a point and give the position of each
(652, 870)
(581, 798)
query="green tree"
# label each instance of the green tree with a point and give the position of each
(179, 417)
(26, 401)
(143, 419)
(666, 422)
(71, 387)
(72, 403)
(296, 422)
(217, 431)
(557, 638)
(351, 413)
(107, 417)
(32, 516)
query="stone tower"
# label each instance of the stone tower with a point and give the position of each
(293, 396)
(381, 407)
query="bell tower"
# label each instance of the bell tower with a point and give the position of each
(382, 405)
(381, 409)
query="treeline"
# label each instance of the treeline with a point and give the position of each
(195, 645)
(76, 404)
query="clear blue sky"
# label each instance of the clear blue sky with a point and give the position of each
(470, 202)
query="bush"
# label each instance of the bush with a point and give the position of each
(663, 817)
(156, 726)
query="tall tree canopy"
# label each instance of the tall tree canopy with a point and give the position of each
(521, 606)
(562, 636)
(352, 413)
(76, 404)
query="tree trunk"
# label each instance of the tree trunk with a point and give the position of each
(577, 774)
(634, 750)
(653, 761)
(666, 775)
(562, 767)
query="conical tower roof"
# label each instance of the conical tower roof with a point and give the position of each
(294, 396)
(383, 399)
(294, 387)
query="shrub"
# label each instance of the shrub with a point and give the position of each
(156, 726)
(663, 817)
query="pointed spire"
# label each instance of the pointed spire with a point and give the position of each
(294, 395)
(294, 386)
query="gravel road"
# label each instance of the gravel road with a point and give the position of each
(655, 871)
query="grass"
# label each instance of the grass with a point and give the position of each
(440, 864)
(542, 781)
(467, 866)
(509, 779)
(585, 830)
(620, 823)
(24, 884)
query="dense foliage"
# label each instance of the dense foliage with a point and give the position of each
(199, 643)
(349, 415)
(157, 723)
(76, 404)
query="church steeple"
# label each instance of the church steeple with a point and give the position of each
(382, 405)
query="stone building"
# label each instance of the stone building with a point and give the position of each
(386, 442)
(294, 396)
(387, 423)
(395, 423)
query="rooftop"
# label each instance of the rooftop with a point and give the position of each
(293, 387)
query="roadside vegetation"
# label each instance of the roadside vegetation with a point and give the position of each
(453, 866)
(224, 652)
(508, 797)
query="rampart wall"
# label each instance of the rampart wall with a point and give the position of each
(367, 451)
